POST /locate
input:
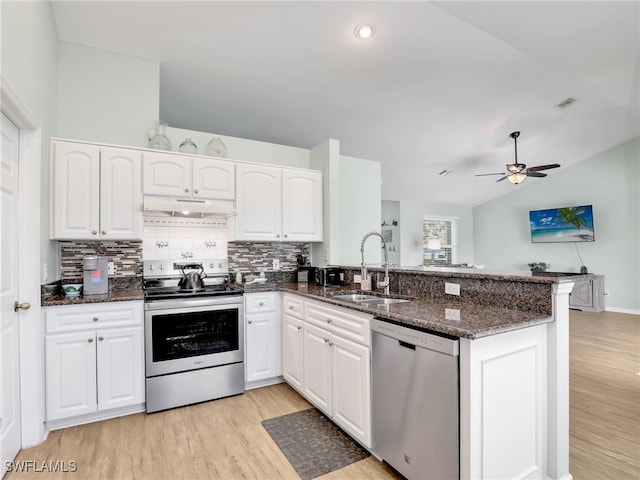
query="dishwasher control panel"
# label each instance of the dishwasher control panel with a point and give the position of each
(416, 337)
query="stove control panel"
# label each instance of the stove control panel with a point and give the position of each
(172, 268)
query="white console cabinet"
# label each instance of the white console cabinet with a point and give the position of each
(588, 293)
(94, 362)
(278, 204)
(96, 192)
(262, 314)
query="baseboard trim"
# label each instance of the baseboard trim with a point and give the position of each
(628, 311)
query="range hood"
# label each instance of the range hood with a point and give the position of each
(189, 208)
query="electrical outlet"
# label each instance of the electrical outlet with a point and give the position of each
(111, 268)
(452, 314)
(357, 278)
(326, 254)
(45, 272)
(276, 264)
(452, 288)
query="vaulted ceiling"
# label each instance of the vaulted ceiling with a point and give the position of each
(439, 86)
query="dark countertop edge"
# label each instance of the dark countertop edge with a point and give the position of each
(435, 326)
(480, 274)
(126, 296)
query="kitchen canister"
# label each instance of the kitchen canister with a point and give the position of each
(158, 139)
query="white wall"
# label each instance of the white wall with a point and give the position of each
(29, 62)
(106, 97)
(360, 207)
(608, 181)
(243, 149)
(411, 223)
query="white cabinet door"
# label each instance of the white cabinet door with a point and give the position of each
(258, 203)
(352, 388)
(263, 347)
(168, 175)
(302, 206)
(214, 179)
(317, 367)
(120, 367)
(292, 348)
(70, 371)
(75, 191)
(120, 194)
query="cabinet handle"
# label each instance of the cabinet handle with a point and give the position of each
(94, 232)
(104, 232)
(291, 307)
(331, 344)
(101, 338)
(90, 340)
(299, 327)
(186, 190)
(249, 322)
(261, 304)
(329, 320)
(195, 191)
(286, 235)
(277, 235)
(326, 340)
(95, 319)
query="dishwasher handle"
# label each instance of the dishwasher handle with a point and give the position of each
(410, 346)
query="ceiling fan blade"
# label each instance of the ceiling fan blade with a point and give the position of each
(500, 179)
(535, 174)
(485, 174)
(537, 168)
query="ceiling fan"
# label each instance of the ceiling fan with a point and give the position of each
(517, 172)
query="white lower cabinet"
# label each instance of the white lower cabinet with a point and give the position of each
(335, 346)
(262, 358)
(96, 370)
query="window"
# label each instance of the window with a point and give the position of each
(443, 229)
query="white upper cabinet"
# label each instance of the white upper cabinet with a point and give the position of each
(96, 192)
(186, 177)
(278, 204)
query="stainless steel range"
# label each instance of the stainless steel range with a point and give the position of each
(194, 333)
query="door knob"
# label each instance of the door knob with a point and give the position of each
(21, 306)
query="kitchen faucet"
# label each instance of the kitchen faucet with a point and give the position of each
(363, 272)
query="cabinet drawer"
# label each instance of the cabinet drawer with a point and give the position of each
(260, 302)
(292, 305)
(347, 324)
(91, 316)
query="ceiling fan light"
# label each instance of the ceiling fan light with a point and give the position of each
(363, 31)
(516, 178)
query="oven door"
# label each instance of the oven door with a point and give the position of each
(199, 334)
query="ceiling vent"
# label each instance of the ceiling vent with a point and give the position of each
(565, 103)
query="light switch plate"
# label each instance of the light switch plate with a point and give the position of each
(452, 288)
(357, 278)
(111, 268)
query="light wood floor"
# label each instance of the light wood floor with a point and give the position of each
(604, 411)
(225, 440)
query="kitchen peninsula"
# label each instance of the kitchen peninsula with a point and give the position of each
(513, 358)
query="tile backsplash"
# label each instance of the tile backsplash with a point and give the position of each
(126, 256)
(255, 257)
(193, 238)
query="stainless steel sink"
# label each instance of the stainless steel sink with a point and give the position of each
(367, 299)
(382, 301)
(355, 297)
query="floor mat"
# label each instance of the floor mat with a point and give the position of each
(313, 444)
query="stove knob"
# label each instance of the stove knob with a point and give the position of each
(220, 265)
(152, 267)
(162, 266)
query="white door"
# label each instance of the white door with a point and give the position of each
(292, 348)
(120, 194)
(70, 373)
(120, 367)
(10, 428)
(214, 179)
(259, 203)
(352, 388)
(262, 347)
(301, 206)
(168, 175)
(317, 367)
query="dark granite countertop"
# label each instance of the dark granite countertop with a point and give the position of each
(476, 321)
(117, 296)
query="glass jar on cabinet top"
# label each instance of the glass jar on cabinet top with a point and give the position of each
(158, 139)
(216, 148)
(188, 146)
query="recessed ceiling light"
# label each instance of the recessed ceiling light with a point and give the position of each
(444, 173)
(363, 31)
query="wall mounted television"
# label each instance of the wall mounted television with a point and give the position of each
(565, 224)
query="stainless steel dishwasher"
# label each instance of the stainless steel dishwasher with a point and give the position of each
(415, 401)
